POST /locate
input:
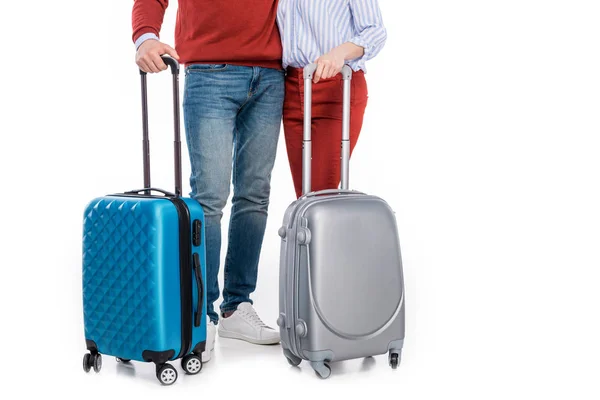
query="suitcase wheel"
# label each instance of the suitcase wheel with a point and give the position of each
(394, 360)
(323, 370)
(191, 364)
(291, 358)
(294, 362)
(166, 374)
(92, 360)
(97, 363)
(86, 362)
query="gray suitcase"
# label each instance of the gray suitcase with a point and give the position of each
(341, 287)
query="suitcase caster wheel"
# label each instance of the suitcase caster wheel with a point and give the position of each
(166, 374)
(191, 364)
(87, 365)
(294, 362)
(123, 360)
(291, 359)
(394, 360)
(93, 361)
(322, 370)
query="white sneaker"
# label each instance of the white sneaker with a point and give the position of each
(211, 332)
(244, 324)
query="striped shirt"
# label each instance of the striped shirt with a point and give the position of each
(312, 28)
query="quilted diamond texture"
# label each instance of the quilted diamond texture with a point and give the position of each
(119, 273)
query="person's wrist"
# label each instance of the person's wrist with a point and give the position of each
(336, 55)
(148, 42)
(351, 50)
(344, 52)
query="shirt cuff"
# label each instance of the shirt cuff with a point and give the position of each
(361, 61)
(143, 38)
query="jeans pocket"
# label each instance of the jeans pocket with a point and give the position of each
(200, 68)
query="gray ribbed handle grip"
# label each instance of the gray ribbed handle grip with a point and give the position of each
(309, 72)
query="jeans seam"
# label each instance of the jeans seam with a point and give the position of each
(235, 159)
(258, 81)
(231, 219)
(188, 135)
(249, 95)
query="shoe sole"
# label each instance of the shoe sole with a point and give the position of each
(234, 335)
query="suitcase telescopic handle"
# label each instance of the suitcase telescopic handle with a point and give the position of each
(174, 65)
(309, 72)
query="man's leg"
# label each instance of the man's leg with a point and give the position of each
(213, 97)
(255, 146)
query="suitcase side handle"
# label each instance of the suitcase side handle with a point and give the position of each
(309, 71)
(176, 126)
(200, 286)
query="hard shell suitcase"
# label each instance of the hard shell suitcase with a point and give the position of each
(143, 270)
(341, 280)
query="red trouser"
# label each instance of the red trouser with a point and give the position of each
(327, 101)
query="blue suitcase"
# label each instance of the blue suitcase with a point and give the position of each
(143, 271)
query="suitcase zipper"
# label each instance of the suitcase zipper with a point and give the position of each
(291, 288)
(295, 291)
(295, 341)
(185, 273)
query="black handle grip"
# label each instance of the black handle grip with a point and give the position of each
(198, 273)
(171, 62)
(148, 190)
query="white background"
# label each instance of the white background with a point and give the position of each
(481, 132)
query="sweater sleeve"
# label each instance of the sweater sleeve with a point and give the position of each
(368, 22)
(147, 17)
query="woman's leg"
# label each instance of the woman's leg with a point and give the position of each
(293, 125)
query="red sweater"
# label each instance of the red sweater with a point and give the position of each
(240, 32)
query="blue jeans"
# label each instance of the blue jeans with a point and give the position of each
(232, 122)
